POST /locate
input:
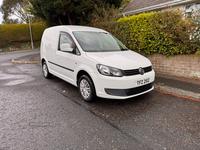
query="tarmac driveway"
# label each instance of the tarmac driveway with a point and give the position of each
(36, 113)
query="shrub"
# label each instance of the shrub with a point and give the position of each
(20, 33)
(174, 33)
(140, 32)
(167, 32)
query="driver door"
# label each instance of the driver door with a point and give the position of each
(67, 61)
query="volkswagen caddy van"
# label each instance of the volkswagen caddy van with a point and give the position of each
(96, 62)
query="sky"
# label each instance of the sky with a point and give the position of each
(0, 12)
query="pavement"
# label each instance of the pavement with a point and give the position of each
(178, 86)
(28, 59)
(174, 85)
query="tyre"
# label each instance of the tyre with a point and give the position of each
(86, 88)
(45, 71)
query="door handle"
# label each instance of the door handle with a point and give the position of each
(58, 57)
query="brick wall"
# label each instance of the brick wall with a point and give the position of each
(179, 65)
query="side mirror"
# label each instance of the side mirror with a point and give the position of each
(66, 47)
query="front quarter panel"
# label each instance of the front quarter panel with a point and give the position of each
(86, 64)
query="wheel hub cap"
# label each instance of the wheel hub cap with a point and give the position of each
(85, 88)
(45, 70)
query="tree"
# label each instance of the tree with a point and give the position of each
(15, 8)
(67, 11)
(104, 13)
(11, 21)
(107, 13)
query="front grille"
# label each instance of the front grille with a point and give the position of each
(129, 92)
(136, 71)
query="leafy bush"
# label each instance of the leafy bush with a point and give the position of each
(167, 33)
(20, 33)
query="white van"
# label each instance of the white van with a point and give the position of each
(96, 62)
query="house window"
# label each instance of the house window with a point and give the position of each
(190, 8)
(188, 11)
(197, 7)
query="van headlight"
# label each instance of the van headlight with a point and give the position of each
(109, 71)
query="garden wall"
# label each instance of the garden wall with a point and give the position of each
(178, 65)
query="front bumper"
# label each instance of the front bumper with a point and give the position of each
(129, 92)
(122, 87)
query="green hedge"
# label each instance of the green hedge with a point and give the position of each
(20, 33)
(156, 32)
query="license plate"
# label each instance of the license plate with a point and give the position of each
(143, 82)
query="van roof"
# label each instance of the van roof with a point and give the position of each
(78, 28)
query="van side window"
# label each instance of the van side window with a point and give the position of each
(65, 38)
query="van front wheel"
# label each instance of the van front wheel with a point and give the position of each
(45, 71)
(86, 88)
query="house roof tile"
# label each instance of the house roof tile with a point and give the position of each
(138, 4)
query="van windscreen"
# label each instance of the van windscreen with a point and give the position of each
(98, 41)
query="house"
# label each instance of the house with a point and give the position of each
(140, 6)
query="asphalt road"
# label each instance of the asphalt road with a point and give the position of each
(41, 114)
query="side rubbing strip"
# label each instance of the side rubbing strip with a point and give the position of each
(61, 66)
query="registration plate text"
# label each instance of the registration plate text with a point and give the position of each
(142, 82)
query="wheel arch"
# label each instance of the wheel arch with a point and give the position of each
(83, 72)
(43, 60)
